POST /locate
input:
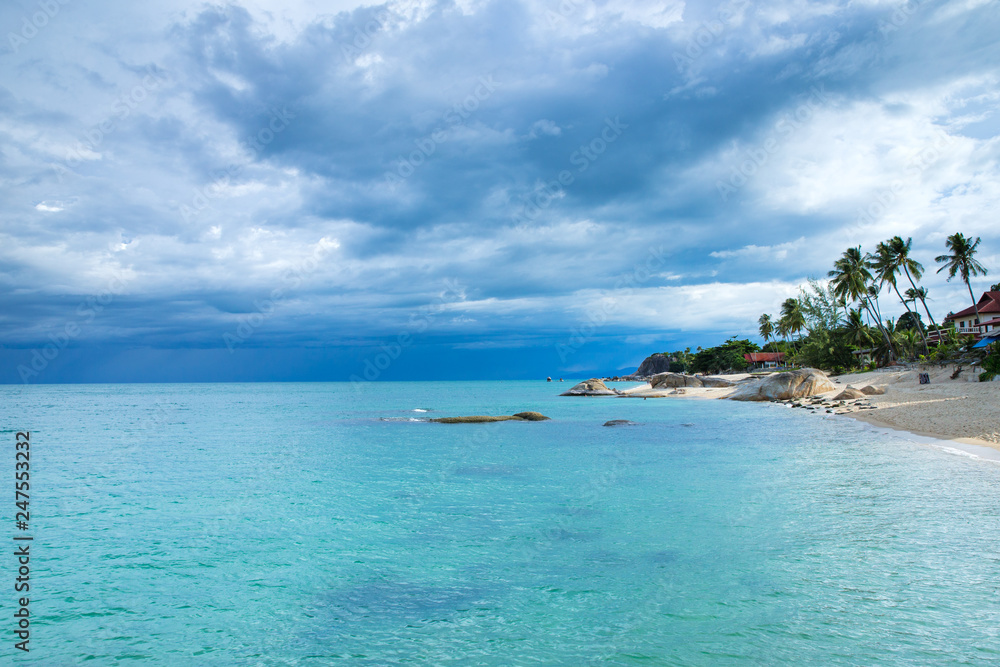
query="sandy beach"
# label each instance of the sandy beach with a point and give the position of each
(961, 409)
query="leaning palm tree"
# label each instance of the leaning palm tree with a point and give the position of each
(886, 263)
(851, 280)
(913, 270)
(766, 327)
(792, 316)
(962, 261)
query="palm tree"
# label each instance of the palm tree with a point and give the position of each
(962, 261)
(887, 262)
(907, 341)
(851, 281)
(913, 270)
(766, 327)
(792, 316)
(858, 333)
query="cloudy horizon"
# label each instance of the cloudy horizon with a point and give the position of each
(301, 191)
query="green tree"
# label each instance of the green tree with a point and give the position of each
(913, 270)
(766, 327)
(858, 333)
(886, 263)
(962, 261)
(851, 280)
(728, 356)
(792, 317)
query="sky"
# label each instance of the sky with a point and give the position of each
(314, 190)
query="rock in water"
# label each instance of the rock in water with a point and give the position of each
(849, 394)
(531, 416)
(481, 419)
(619, 422)
(785, 386)
(872, 390)
(592, 387)
(653, 364)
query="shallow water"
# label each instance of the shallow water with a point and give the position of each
(295, 524)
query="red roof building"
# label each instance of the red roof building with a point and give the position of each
(765, 359)
(989, 316)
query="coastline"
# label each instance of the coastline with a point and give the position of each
(959, 410)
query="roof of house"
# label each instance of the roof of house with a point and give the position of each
(757, 357)
(989, 302)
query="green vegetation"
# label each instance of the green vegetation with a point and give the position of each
(991, 365)
(842, 321)
(725, 357)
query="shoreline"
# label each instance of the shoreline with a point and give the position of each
(873, 420)
(960, 410)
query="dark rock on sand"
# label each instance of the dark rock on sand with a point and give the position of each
(849, 394)
(671, 380)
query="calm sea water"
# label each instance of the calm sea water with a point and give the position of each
(313, 524)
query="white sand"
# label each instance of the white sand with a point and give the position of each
(963, 409)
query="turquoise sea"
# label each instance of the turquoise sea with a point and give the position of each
(316, 524)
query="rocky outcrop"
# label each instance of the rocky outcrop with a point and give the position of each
(480, 419)
(872, 390)
(592, 387)
(653, 365)
(849, 394)
(619, 422)
(672, 380)
(785, 386)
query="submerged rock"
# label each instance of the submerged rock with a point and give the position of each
(619, 422)
(785, 386)
(592, 387)
(530, 416)
(480, 419)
